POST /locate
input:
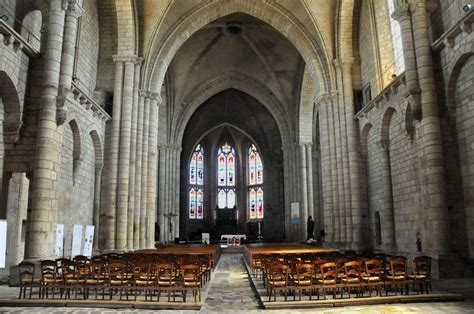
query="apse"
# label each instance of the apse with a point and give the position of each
(231, 170)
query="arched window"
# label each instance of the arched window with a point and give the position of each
(255, 183)
(196, 184)
(396, 39)
(225, 176)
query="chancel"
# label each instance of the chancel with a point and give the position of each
(236, 154)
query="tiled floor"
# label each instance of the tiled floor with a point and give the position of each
(230, 292)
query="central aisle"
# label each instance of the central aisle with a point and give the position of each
(230, 287)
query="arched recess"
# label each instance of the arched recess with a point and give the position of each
(11, 113)
(98, 153)
(311, 49)
(389, 232)
(460, 104)
(76, 151)
(240, 82)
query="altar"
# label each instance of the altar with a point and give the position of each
(233, 239)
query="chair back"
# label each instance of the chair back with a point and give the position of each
(304, 273)
(373, 268)
(422, 266)
(27, 273)
(278, 272)
(398, 267)
(353, 270)
(328, 271)
(48, 270)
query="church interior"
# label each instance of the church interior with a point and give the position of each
(168, 149)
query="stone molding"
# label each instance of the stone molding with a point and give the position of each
(11, 131)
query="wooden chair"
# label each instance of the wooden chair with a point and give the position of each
(303, 279)
(73, 279)
(373, 275)
(116, 279)
(191, 280)
(166, 279)
(277, 280)
(94, 278)
(398, 275)
(421, 276)
(142, 279)
(27, 279)
(352, 277)
(328, 279)
(49, 279)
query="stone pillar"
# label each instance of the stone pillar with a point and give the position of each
(74, 11)
(161, 191)
(303, 192)
(309, 162)
(138, 172)
(336, 210)
(435, 212)
(177, 158)
(113, 159)
(286, 180)
(43, 214)
(326, 169)
(152, 171)
(402, 15)
(124, 159)
(358, 224)
(389, 243)
(144, 192)
(96, 217)
(133, 157)
(346, 183)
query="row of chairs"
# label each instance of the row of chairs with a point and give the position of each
(294, 275)
(117, 275)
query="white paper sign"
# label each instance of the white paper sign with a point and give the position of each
(295, 213)
(76, 240)
(59, 240)
(88, 241)
(206, 238)
(3, 242)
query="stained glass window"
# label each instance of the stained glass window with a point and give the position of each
(255, 183)
(196, 184)
(226, 176)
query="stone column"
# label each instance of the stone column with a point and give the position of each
(124, 159)
(133, 157)
(43, 214)
(161, 191)
(177, 158)
(402, 15)
(435, 212)
(113, 159)
(138, 172)
(336, 210)
(286, 180)
(309, 162)
(152, 171)
(346, 183)
(326, 169)
(303, 192)
(96, 217)
(144, 193)
(352, 128)
(74, 11)
(390, 243)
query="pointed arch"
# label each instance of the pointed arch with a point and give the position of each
(310, 46)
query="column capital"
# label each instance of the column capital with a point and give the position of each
(402, 10)
(125, 58)
(327, 97)
(74, 8)
(306, 144)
